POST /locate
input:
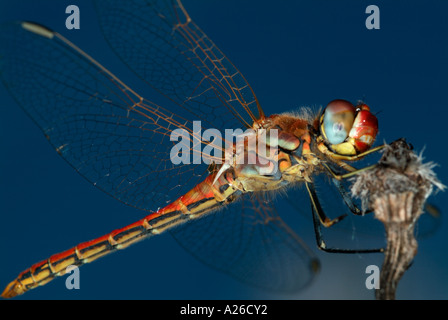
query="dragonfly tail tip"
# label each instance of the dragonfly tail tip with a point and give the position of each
(12, 290)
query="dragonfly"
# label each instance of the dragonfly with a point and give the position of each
(123, 143)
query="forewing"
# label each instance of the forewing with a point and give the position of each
(163, 46)
(117, 140)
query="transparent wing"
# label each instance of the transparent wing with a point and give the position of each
(120, 141)
(113, 137)
(164, 47)
(250, 242)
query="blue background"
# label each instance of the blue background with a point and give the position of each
(294, 53)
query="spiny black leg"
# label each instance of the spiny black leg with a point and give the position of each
(344, 193)
(348, 200)
(324, 220)
(318, 218)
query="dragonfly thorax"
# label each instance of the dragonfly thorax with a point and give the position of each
(273, 156)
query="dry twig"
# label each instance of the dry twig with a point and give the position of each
(396, 190)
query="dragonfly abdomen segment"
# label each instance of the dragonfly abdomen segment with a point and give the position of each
(44, 271)
(202, 199)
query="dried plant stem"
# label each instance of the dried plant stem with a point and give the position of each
(396, 190)
(395, 211)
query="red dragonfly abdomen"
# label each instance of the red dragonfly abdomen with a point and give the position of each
(203, 198)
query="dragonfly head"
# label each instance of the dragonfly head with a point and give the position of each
(348, 130)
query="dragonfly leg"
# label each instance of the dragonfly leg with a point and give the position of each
(324, 220)
(319, 216)
(347, 175)
(348, 200)
(339, 160)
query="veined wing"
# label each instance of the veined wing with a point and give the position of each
(158, 41)
(250, 242)
(112, 136)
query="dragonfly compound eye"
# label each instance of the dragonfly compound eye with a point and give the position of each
(337, 121)
(348, 130)
(364, 129)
